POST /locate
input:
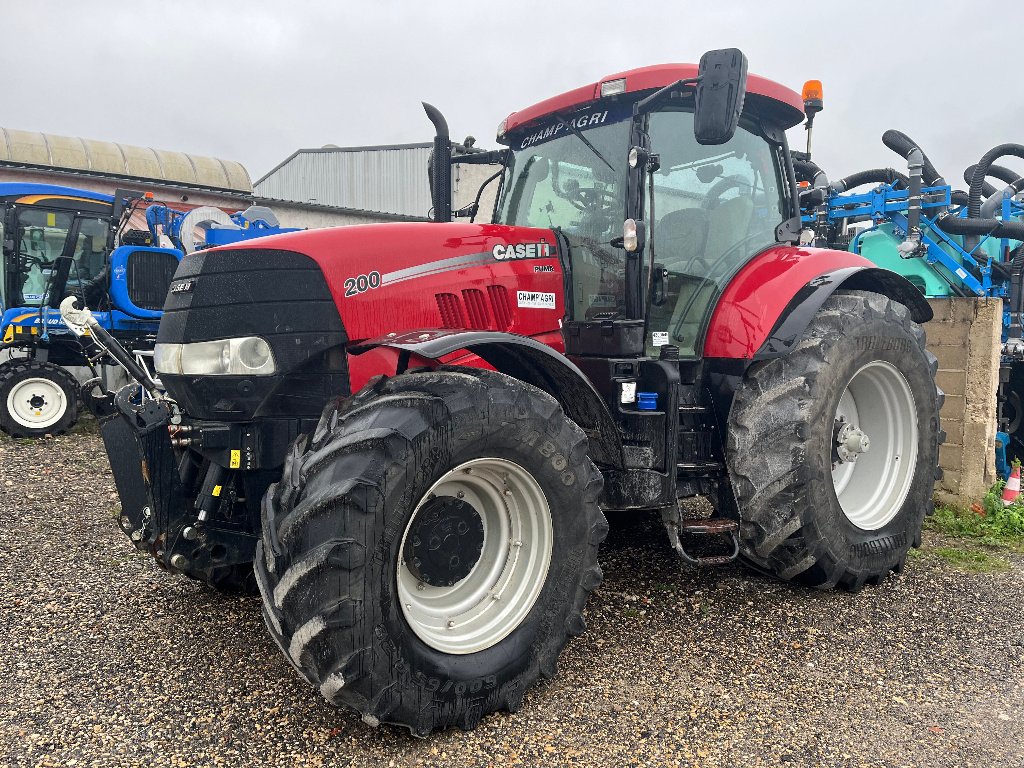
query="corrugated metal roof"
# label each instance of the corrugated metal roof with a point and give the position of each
(104, 157)
(388, 179)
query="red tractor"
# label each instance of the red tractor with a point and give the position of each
(638, 326)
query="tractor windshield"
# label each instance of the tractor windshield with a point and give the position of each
(575, 180)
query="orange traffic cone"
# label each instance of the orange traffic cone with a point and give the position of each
(1012, 488)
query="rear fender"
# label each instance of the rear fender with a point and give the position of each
(768, 304)
(801, 310)
(523, 358)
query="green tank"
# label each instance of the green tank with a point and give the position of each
(880, 245)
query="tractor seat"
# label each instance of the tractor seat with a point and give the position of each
(729, 223)
(680, 238)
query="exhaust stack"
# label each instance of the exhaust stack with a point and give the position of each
(440, 166)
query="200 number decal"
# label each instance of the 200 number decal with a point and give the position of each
(362, 283)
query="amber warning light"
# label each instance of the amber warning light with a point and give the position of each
(812, 96)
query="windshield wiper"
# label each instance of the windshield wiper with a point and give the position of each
(579, 135)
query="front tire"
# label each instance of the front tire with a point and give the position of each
(833, 449)
(472, 465)
(37, 399)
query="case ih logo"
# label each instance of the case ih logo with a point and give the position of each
(521, 251)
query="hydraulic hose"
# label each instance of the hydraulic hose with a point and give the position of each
(871, 176)
(902, 144)
(992, 205)
(982, 169)
(975, 228)
(915, 165)
(1000, 172)
(809, 171)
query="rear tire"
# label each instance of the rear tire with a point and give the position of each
(818, 507)
(335, 557)
(37, 399)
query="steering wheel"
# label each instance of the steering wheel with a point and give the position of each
(714, 195)
(588, 199)
(33, 260)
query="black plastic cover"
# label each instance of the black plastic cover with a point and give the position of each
(280, 296)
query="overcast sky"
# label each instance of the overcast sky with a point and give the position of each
(253, 81)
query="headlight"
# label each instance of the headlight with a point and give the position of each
(248, 356)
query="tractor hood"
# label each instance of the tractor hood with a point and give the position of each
(386, 278)
(312, 294)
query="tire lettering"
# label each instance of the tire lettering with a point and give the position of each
(546, 449)
(883, 344)
(879, 546)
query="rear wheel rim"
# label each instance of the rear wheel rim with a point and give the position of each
(873, 485)
(36, 403)
(492, 600)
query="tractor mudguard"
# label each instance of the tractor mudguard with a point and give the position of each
(767, 306)
(528, 360)
(801, 310)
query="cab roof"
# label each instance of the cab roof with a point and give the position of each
(782, 104)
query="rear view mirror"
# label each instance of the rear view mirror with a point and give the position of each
(721, 88)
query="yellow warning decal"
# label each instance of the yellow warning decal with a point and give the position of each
(236, 459)
(215, 491)
(51, 219)
(34, 199)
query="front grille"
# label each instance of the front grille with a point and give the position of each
(149, 277)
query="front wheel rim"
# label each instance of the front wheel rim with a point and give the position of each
(872, 484)
(36, 403)
(492, 600)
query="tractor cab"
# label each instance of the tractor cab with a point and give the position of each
(39, 229)
(706, 209)
(618, 170)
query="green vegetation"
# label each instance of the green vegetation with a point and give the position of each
(990, 523)
(984, 531)
(975, 560)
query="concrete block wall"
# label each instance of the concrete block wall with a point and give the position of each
(965, 337)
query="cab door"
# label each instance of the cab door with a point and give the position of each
(714, 207)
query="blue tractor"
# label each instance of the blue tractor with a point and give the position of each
(947, 242)
(59, 241)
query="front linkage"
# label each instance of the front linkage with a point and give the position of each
(139, 425)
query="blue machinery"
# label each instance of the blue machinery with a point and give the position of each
(59, 241)
(948, 243)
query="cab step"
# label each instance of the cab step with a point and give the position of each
(678, 527)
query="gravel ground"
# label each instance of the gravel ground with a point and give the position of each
(107, 661)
